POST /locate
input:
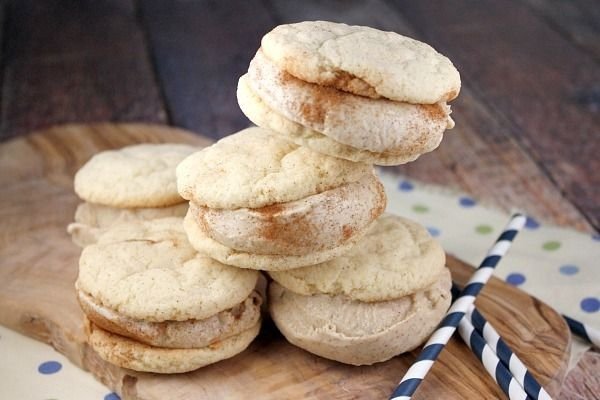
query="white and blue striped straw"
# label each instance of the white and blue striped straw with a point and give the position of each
(505, 354)
(490, 361)
(434, 346)
(584, 331)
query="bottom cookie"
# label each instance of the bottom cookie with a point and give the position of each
(128, 353)
(356, 332)
(265, 262)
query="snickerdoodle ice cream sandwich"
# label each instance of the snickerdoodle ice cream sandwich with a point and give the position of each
(259, 201)
(154, 304)
(382, 298)
(352, 92)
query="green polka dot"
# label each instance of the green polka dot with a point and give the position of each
(551, 245)
(420, 208)
(483, 229)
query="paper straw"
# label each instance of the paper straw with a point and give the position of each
(584, 331)
(490, 361)
(505, 354)
(434, 346)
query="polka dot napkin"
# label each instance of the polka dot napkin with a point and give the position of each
(557, 265)
(32, 370)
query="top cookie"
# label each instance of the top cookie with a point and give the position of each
(363, 61)
(256, 168)
(395, 258)
(147, 270)
(141, 175)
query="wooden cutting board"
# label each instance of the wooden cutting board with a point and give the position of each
(38, 266)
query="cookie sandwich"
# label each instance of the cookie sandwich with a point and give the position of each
(352, 92)
(154, 304)
(259, 201)
(383, 297)
(129, 184)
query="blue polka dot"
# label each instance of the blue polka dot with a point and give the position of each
(49, 367)
(406, 186)
(433, 231)
(515, 279)
(466, 202)
(569, 269)
(596, 237)
(590, 304)
(531, 223)
(112, 396)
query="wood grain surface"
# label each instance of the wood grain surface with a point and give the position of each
(577, 20)
(37, 259)
(82, 61)
(196, 60)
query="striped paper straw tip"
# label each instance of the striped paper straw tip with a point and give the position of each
(584, 331)
(490, 361)
(434, 346)
(506, 355)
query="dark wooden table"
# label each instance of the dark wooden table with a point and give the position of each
(528, 117)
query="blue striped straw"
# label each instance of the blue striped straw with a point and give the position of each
(505, 354)
(584, 331)
(490, 361)
(434, 346)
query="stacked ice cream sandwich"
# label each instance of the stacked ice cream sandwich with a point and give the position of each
(298, 197)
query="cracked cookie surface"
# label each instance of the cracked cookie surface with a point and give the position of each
(363, 60)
